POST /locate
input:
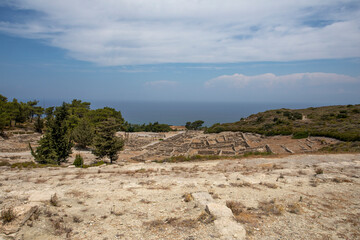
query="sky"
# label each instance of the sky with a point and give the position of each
(181, 50)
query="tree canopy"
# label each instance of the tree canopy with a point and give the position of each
(194, 125)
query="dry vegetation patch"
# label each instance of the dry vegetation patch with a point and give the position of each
(7, 215)
(271, 207)
(54, 200)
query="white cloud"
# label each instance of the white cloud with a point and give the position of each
(161, 83)
(126, 32)
(271, 80)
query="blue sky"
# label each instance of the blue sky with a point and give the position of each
(189, 50)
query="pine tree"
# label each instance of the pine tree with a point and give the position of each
(83, 134)
(55, 146)
(39, 124)
(105, 141)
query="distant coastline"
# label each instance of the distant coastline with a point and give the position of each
(178, 113)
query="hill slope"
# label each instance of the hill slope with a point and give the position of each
(340, 122)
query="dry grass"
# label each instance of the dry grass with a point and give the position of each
(159, 188)
(314, 182)
(269, 185)
(188, 197)
(60, 227)
(319, 171)
(147, 183)
(244, 184)
(4, 163)
(41, 180)
(77, 219)
(116, 212)
(77, 193)
(7, 215)
(271, 207)
(341, 180)
(235, 206)
(174, 222)
(145, 201)
(206, 218)
(247, 218)
(294, 208)
(54, 200)
(154, 224)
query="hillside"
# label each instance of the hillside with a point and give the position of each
(340, 122)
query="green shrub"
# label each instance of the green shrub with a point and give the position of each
(96, 164)
(342, 147)
(32, 165)
(4, 163)
(260, 119)
(341, 115)
(287, 114)
(297, 115)
(299, 135)
(79, 161)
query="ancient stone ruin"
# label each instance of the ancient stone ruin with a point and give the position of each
(151, 146)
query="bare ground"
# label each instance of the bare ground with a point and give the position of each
(276, 198)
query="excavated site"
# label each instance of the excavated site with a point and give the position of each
(156, 146)
(294, 193)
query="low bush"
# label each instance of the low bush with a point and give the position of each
(342, 147)
(21, 165)
(79, 161)
(4, 163)
(299, 135)
(96, 164)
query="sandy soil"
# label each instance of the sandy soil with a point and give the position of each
(276, 198)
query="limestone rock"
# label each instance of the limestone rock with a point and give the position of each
(229, 229)
(219, 211)
(202, 198)
(225, 223)
(23, 213)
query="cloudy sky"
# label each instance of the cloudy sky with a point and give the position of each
(181, 50)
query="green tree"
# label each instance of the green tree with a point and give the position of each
(79, 108)
(194, 125)
(55, 146)
(105, 141)
(3, 115)
(98, 116)
(31, 109)
(39, 124)
(83, 133)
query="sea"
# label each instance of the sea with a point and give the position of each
(178, 113)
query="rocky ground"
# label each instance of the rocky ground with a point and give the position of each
(298, 196)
